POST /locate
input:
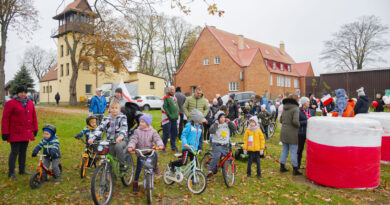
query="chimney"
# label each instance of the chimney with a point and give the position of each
(282, 47)
(240, 42)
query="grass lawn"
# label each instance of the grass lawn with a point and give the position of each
(274, 188)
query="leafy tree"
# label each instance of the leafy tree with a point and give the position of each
(22, 77)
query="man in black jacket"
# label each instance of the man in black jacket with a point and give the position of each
(232, 108)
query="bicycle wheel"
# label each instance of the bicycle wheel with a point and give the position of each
(102, 187)
(128, 175)
(148, 181)
(205, 162)
(197, 182)
(83, 167)
(35, 181)
(228, 172)
(167, 172)
(272, 128)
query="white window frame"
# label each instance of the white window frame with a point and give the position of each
(287, 82)
(289, 68)
(296, 83)
(271, 80)
(206, 61)
(274, 65)
(217, 60)
(281, 66)
(266, 62)
(233, 86)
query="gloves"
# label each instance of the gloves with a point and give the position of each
(5, 137)
(35, 133)
(261, 152)
(245, 152)
(78, 137)
(34, 154)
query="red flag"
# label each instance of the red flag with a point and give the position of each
(326, 100)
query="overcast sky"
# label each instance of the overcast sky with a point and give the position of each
(303, 25)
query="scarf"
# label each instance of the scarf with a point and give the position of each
(307, 112)
(253, 129)
(23, 101)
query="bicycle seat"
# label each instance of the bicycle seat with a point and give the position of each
(178, 155)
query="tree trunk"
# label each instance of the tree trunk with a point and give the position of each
(72, 86)
(2, 63)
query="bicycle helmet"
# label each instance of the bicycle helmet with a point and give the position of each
(89, 118)
(51, 128)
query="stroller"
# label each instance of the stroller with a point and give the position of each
(133, 113)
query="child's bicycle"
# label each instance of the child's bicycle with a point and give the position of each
(102, 185)
(196, 181)
(89, 157)
(147, 156)
(226, 162)
(36, 179)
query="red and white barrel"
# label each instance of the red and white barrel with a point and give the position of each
(384, 119)
(343, 152)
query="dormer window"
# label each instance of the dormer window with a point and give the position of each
(274, 65)
(206, 61)
(266, 62)
(281, 67)
(289, 68)
(266, 51)
(216, 60)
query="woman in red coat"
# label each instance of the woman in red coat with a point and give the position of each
(19, 126)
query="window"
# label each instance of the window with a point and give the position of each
(149, 97)
(206, 61)
(50, 89)
(62, 51)
(270, 80)
(274, 65)
(67, 50)
(281, 67)
(280, 81)
(88, 89)
(85, 65)
(44, 89)
(67, 69)
(296, 83)
(289, 68)
(62, 70)
(151, 85)
(216, 60)
(287, 83)
(266, 62)
(233, 86)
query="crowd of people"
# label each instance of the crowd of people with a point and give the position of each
(192, 119)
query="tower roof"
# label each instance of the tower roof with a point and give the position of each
(81, 6)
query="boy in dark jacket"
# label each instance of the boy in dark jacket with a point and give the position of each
(51, 148)
(362, 104)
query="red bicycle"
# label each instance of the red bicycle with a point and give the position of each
(226, 162)
(36, 179)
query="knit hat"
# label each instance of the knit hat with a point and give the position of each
(360, 92)
(21, 89)
(49, 131)
(215, 101)
(263, 106)
(147, 118)
(232, 95)
(324, 93)
(197, 116)
(219, 114)
(304, 100)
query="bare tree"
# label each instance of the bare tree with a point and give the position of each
(39, 61)
(356, 45)
(18, 15)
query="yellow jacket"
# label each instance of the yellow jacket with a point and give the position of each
(257, 138)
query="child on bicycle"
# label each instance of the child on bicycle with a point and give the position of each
(254, 145)
(115, 126)
(51, 148)
(265, 117)
(221, 139)
(89, 129)
(191, 136)
(143, 138)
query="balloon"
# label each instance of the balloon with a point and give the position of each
(374, 104)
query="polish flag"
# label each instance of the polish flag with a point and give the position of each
(326, 100)
(125, 93)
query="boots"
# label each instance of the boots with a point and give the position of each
(296, 172)
(12, 176)
(135, 187)
(283, 168)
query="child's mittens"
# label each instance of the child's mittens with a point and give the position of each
(78, 136)
(261, 152)
(33, 154)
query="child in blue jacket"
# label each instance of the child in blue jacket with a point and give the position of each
(191, 137)
(88, 130)
(51, 148)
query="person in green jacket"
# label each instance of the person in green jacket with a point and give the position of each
(170, 115)
(196, 102)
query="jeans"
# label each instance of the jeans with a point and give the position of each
(301, 146)
(266, 130)
(293, 154)
(119, 151)
(170, 129)
(218, 150)
(17, 148)
(253, 157)
(54, 165)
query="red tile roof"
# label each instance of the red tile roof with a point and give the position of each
(76, 5)
(51, 75)
(301, 68)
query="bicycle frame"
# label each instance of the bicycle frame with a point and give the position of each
(228, 156)
(42, 166)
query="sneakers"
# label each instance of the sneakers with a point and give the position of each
(258, 176)
(57, 179)
(12, 176)
(249, 176)
(135, 187)
(283, 168)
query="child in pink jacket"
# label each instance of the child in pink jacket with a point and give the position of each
(143, 138)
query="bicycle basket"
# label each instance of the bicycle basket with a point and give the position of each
(148, 163)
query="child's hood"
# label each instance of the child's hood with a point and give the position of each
(254, 118)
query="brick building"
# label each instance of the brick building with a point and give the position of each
(222, 62)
